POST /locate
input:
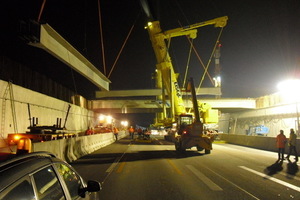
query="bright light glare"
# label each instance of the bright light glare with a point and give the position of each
(109, 119)
(290, 88)
(17, 137)
(217, 81)
(124, 123)
(101, 117)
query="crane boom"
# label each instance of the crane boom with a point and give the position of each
(166, 77)
(191, 30)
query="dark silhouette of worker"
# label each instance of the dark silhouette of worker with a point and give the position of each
(280, 143)
(140, 132)
(292, 144)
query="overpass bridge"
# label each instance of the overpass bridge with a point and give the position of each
(143, 101)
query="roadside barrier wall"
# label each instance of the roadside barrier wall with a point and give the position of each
(258, 142)
(71, 149)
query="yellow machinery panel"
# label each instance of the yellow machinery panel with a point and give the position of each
(211, 116)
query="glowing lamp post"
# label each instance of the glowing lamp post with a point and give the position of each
(290, 89)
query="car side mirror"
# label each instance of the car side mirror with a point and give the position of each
(92, 186)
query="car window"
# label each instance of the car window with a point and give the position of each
(71, 179)
(47, 185)
(19, 190)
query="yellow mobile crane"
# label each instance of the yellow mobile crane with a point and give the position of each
(189, 131)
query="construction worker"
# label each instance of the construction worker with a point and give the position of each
(280, 141)
(116, 132)
(131, 132)
(292, 144)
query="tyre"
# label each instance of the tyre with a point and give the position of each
(207, 151)
(178, 146)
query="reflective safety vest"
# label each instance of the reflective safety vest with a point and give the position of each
(280, 141)
(116, 130)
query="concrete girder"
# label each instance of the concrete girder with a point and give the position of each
(56, 45)
(151, 106)
(151, 92)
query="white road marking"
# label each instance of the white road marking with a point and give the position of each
(233, 184)
(272, 178)
(204, 179)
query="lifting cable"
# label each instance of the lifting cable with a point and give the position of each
(209, 61)
(118, 56)
(74, 83)
(187, 64)
(41, 11)
(101, 37)
(197, 55)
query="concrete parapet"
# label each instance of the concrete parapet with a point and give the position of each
(71, 149)
(258, 142)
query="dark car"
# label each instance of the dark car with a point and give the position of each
(40, 175)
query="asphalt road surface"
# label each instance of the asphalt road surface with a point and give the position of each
(154, 170)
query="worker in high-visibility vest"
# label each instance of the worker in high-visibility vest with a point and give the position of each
(131, 132)
(116, 132)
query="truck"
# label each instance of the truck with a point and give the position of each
(187, 128)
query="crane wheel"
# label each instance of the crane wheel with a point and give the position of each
(178, 146)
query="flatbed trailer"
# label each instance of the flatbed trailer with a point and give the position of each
(13, 138)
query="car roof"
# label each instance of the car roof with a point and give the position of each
(19, 166)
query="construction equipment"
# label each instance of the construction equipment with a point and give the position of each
(190, 132)
(42, 133)
(166, 79)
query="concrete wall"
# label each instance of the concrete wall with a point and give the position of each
(73, 148)
(276, 111)
(258, 142)
(47, 109)
(275, 118)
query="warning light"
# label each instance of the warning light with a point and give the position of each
(16, 137)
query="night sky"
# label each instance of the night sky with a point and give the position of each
(260, 44)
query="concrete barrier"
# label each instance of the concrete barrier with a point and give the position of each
(258, 142)
(71, 149)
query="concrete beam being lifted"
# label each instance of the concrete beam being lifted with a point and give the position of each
(153, 106)
(152, 92)
(57, 46)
